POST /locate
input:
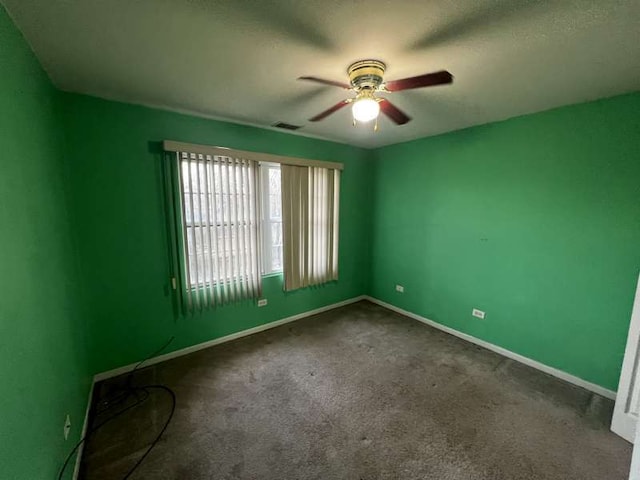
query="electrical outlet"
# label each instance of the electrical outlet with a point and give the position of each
(67, 426)
(478, 313)
(262, 302)
(399, 288)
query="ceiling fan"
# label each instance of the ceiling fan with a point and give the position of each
(366, 80)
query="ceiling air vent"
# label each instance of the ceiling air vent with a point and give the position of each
(286, 126)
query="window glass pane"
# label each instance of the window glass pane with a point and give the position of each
(272, 219)
(275, 208)
(276, 259)
(276, 234)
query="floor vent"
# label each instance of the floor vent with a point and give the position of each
(286, 126)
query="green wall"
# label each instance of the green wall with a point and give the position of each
(42, 354)
(116, 182)
(535, 220)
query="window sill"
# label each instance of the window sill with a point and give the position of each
(272, 274)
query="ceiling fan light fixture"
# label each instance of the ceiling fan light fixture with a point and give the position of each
(365, 109)
(366, 78)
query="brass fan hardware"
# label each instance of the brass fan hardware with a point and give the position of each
(366, 74)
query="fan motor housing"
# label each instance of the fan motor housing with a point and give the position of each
(366, 74)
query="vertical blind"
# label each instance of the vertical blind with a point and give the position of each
(219, 203)
(310, 213)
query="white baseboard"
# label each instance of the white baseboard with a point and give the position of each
(567, 377)
(194, 348)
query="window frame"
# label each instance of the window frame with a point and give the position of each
(175, 221)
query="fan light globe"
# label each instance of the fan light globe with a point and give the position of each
(365, 109)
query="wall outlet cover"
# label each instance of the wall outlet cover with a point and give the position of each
(67, 426)
(478, 313)
(262, 302)
(399, 288)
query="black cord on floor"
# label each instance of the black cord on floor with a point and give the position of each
(150, 357)
(124, 393)
(95, 429)
(166, 424)
(121, 397)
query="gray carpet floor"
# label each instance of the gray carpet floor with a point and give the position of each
(357, 393)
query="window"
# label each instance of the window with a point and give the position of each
(271, 218)
(219, 203)
(235, 216)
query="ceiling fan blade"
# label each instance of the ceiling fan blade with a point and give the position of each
(427, 80)
(393, 112)
(329, 111)
(327, 82)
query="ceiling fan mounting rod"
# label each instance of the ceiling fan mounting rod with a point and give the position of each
(366, 74)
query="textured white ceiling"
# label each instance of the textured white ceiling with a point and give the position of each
(239, 59)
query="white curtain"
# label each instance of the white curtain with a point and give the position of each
(219, 203)
(310, 211)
